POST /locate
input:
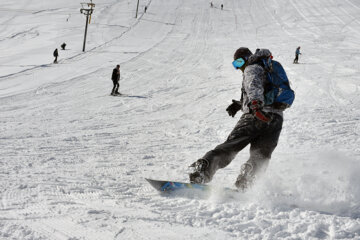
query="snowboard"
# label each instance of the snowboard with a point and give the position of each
(173, 186)
(170, 186)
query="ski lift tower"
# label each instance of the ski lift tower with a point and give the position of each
(87, 9)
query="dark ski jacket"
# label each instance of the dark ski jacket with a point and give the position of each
(56, 53)
(115, 75)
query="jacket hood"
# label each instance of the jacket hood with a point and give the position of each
(259, 54)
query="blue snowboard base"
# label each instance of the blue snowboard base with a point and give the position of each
(170, 186)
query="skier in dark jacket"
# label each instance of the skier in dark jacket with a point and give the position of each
(115, 77)
(297, 53)
(259, 126)
(56, 54)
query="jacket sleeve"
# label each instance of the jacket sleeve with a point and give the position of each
(254, 77)
(113, 76)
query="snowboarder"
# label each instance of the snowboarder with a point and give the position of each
(222, 6)
(56, 54)
(259, 126)
(63, 46)
(116, 78)
(297, 53)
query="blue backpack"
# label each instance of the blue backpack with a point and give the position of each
(278, 92)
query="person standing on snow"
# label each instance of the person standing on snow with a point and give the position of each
(297, 53)
(259, 126)
(222, 6)
(56, 54)
(115, 77)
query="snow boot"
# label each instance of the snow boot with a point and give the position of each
(246, 177)
(198, 175)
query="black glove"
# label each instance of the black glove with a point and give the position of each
(233, 108)
(255, 107)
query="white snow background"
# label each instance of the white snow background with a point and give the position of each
(73, 158)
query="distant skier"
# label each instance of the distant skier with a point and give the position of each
(115, 77)
(211, 4)
(145, 9)
(297, 53)
(222, 6)
(259, 126)
(63, 46)
(56, 54)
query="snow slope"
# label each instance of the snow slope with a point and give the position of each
(73, 159)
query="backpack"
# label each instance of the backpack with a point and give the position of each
(278, 92)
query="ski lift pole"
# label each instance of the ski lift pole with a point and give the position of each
(137, 8)
(88, 13)
(86, 26)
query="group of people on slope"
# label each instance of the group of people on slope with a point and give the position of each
(115, 77)
(212, 5)
(56, 52)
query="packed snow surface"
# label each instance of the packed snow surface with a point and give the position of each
(73, 159)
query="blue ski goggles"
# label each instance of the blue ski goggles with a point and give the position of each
(238, 63)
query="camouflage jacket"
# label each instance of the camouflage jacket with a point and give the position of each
(254, 81)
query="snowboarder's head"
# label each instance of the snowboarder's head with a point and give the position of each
(118, 66)
(240, 58)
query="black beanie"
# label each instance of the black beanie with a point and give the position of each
(242, 52)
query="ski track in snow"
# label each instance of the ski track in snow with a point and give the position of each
(73, 158)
